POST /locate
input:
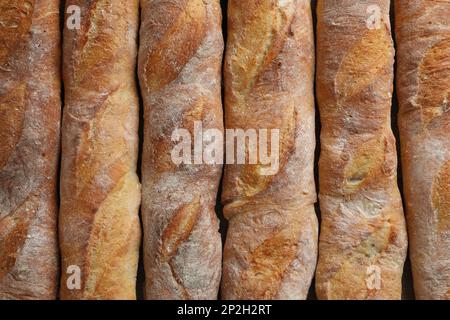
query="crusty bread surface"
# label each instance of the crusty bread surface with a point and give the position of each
(99, 224)
(180, 59)
(423, 87)
(363, 239)
(30, 108)
(271, 244)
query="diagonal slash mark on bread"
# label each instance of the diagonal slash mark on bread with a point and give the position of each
(13, 234)
(270, 42)
(177, 232)
(363, 64)
(178, 43)
(89, 53)
(433, 95)
(270, 260)
(110, 243)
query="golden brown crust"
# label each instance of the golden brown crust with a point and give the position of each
(271, 246)
(180, 61)
(100, 190)
(30, 109)
(363, 241)
(423, 39)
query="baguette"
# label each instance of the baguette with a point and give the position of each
(100, 190)
(30, 108)
(363, 242)
(180, 59)
(423, 38)
(271, 245)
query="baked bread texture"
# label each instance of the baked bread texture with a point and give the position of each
(180, 59)
(99, 224)
(271, 245)
(30, 108)
(423, 86)
(363, 239)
